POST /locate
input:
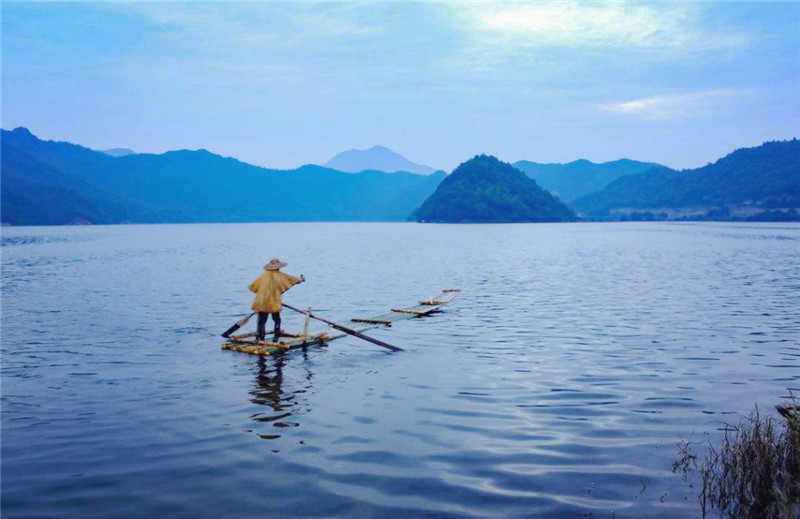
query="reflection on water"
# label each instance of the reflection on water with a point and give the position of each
(558, 384)
(269, 392)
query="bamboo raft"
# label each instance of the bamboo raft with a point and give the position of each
(245, 343)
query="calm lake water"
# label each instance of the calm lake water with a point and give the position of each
(557, 384)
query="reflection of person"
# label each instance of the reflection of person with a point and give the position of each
(282, 396)
(268, 289)
(269, 391)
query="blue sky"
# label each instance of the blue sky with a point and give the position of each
(285, 84)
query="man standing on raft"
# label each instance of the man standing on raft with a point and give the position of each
(268, 289)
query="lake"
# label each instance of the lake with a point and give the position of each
(558, 383)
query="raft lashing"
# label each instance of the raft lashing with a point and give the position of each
(245, 343)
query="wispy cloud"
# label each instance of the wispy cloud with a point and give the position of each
(583, 24)
(290, 24)
(678, 106)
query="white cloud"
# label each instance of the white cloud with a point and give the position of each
(590, 24)
(679, 106)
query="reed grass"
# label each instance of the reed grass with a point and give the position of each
(754, 472)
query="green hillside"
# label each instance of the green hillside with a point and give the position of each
(750, 183)
(486, 190)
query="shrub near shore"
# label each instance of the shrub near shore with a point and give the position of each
(755, 472)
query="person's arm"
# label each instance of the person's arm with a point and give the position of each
(288, 282)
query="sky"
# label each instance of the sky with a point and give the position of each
(281, 84)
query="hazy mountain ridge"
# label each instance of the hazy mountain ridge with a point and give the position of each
(578, 178)
(51, 183)
(749, 183)
(377, 158)
(118, 152)
(486, 190)
(36, 193)
(188, 186)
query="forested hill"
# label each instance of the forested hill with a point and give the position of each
(486, 190)
(581, 177)
(53, 183)
(751, 183)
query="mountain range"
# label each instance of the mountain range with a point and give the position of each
(760, 183)
(581, 177)
(53, 183)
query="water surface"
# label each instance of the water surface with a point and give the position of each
(557, 384)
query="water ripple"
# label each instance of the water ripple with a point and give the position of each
(557, 385)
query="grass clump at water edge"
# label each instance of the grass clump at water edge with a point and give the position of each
(755, 472)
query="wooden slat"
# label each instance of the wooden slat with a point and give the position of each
(264, 344)
(371, 320)
(410, 311)
(253, 350)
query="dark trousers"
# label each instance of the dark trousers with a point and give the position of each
(262, 322)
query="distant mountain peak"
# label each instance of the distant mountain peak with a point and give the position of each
(119, 152)
(21, 131)
(379, 158)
